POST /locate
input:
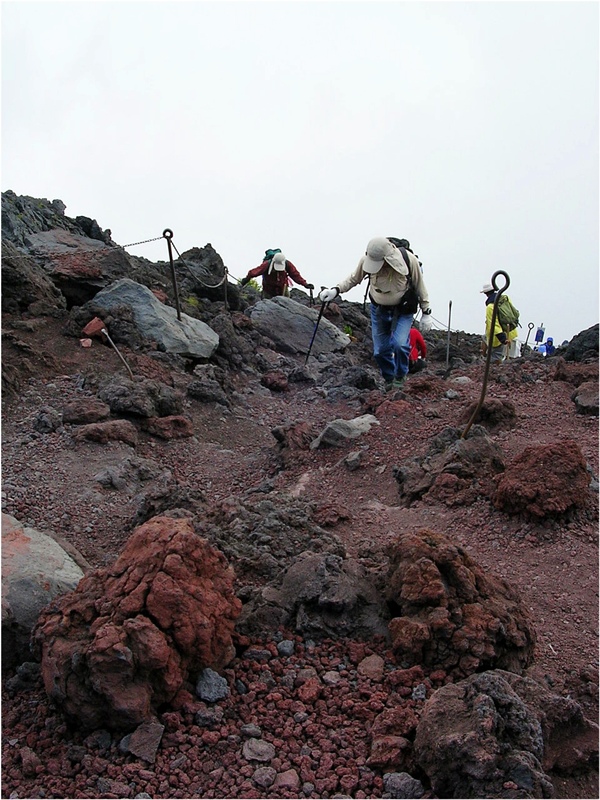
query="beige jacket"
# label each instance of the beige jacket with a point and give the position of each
(388, 285)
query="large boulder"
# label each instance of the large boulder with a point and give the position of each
(584, 346)
(454, 470)
(26, 286)
(140, 397)
(544, 480)
(36, 568)
(24, 217)
(263, 536)
(124, 642)
(291, 326)
(449, 613)
(157, 322)
(496, 734)
(586, 398)
(319, 595)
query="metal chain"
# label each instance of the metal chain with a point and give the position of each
(145, 241)
(207, 285)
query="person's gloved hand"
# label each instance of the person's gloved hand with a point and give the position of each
(426, 322)
(310, 286)
(244, 281)
(327, 295)
(502, 338)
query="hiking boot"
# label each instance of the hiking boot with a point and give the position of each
(397, 383)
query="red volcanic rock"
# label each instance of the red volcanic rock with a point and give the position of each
(173, 427)
(576, 373)
(276, 381)
(115, 430)
(125, 641)
(496, 727)
(84, 411)
(94, 327)
(544, 480)
(495, 415)
(451, 614)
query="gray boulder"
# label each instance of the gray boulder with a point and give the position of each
(319, 595)
(495, 731)
(338, 432)
(291, 326)
(35, 569)
(585, 398)
(157, 322)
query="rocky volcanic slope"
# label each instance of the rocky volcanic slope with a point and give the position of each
(317, 700)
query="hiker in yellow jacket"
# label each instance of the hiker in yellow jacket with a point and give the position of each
(502, 339)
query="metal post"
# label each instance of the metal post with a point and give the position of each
(488, 356)
(448, 337)
(168, 234)
(115, 348)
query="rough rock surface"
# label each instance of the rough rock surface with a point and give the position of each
(263, 501)
(449, 614)
(126, 639)
(545, 481)
(291, 325)
(454, 470)
(35, 569)
(319, 595)
(157, 322)
(484, 737)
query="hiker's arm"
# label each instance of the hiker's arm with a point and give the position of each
(353, 279)
(419, 283)
(254, 273)
(295, 275)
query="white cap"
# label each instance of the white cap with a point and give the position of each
(377, 250)
(487, 288)
(278, 262)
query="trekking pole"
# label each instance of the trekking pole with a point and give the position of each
(312, 299)
(448, 337)
(489, 347)
(323, 304)
(168, 234)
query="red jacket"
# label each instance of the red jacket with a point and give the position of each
(417, 345)
(275, 283)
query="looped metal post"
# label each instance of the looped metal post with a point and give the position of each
(499, 292)
(168, 235)
(530, 326)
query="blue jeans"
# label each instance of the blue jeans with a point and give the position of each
(390, 340)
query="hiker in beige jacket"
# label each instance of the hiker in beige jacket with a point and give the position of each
(395, 294)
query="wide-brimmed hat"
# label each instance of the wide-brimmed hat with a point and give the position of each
(377, 250)
(487, 288)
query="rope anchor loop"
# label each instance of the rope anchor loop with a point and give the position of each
(506, 278)
(167, 233)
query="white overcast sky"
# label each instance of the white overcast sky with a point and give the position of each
(469, 128)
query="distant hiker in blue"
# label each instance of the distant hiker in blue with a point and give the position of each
(550, 349)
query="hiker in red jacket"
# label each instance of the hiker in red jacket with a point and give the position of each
(276, 271)
(418, 351)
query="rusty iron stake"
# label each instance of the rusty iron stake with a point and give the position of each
(168, 234)
(489, 347)
(114, 346)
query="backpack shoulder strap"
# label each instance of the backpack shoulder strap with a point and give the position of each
(407, 260)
